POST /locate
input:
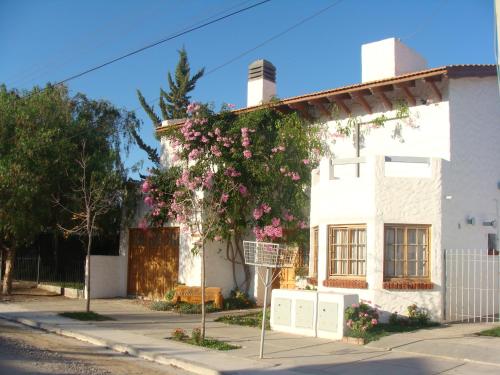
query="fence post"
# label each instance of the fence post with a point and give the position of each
(38, 270)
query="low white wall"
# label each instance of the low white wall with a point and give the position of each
(108, 276)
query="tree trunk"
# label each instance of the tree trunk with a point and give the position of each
(87, 281)
(9, 269)
(203, 291)
(246, 269)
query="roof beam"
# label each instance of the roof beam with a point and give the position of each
(321, 107)
(406, 90)
(379, 92)
(359, 97)
(302, 108)
(435, 90)
(337, 100)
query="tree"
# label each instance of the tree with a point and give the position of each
(34, 151)
(251, 170)
(40, 136)
(173, 104)
(97, 192)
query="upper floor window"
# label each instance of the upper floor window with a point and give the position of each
(406, 251)
(347, 250)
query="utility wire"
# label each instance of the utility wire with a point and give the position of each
(205, 24)
(261, 44)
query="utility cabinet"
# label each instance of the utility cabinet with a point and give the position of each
(310, 313)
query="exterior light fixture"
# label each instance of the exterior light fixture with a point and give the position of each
(470, 220)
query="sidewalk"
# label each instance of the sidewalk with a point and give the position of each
(141, 332)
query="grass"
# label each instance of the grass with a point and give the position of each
(249, 320)
(493, 332)
(182, 307)
(86, 316)
(382, 330)
(207, 343)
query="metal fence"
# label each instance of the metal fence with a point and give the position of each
(472, 286)
(69, 274)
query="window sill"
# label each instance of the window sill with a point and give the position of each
(346, 283)
(408, 284)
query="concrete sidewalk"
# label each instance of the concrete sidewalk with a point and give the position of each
(141, 332)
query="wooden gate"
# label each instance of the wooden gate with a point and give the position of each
(153, 261)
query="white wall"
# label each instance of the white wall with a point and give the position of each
(108, 276)
(471, 177)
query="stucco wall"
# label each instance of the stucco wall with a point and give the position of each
(108, 276)
(471, 177)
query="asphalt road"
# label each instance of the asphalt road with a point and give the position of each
(26, 351)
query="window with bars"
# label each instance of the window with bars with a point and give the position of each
(347, 250)
(315, 245)
(406, 251)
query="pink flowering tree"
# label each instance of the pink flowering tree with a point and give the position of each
(234, 175)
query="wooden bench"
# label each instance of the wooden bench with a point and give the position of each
(192, 294)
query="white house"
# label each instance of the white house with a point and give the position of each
(418, 174)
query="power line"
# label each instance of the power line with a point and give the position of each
(263, 43)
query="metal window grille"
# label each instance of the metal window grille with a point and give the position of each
(315, 248)
(267, 254)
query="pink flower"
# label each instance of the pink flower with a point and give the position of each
(217, 238)
(148, 200)
(231, 106)
(224, 197)
(245, 143)
(265, 207)
(295, 176)
(247, 154)
(306, 161)
(204, 139)
(349, 323)
(257, 213)
(194, 154)
(374, 322)
(145, 187)
(275, 221)
(302, 225)
(355, 305)
(215, 150)
(287, 216)
(243, 190)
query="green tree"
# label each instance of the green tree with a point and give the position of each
(173, 104)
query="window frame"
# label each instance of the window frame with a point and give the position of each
(315, 250)
(405, 228)
(349, 227)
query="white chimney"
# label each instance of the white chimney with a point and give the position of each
(261, 82)
(388, 58)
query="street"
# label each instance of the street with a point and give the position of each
(29, 351)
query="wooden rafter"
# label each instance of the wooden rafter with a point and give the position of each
(380, 93)
(321, 107)
(435, 90)
(408, 94)
(360, 98)
(302, 108)
(340, 103)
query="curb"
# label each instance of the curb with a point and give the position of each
(190, 366)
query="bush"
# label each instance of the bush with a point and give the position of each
(191, 308)
(179, 334)
(169, 296)
(196, 335)
(418, 316)
(238, 300)
(360, 319)
(162, 306)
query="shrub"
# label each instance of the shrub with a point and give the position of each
(302, 271)
(394, 319)
(161, 306)
(196, 335)
(417, 315)
(238, 300)
(191, 308)
(360, 318)
(169, 296)
(178, 334)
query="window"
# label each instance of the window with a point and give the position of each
(347, 250)
(315, 244)
(406, 251)
(492, 244)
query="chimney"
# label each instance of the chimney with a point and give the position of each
(388, 58)
(261, 82)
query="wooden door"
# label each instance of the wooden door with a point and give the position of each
(153, 261)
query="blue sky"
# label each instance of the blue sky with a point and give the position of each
(47, 41)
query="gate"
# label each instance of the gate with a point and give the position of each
(153, 261)
(472, 286)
